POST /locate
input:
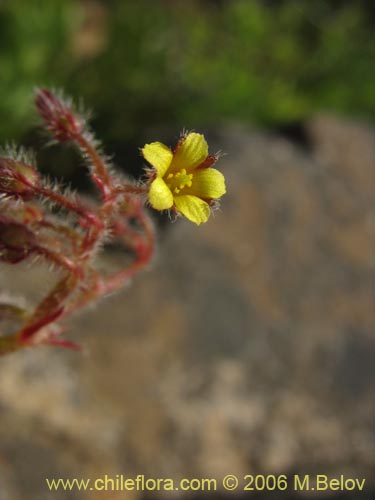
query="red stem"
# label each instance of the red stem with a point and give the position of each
(101, 174)
(144, 249)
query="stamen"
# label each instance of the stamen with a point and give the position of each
(178, 181)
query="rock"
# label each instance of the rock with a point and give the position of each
(246, 348)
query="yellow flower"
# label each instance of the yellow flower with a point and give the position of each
(184, 178)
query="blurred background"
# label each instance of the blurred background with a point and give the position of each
(247, 347)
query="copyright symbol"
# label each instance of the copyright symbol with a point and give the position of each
(230, 482)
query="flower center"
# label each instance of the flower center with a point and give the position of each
(178, 181)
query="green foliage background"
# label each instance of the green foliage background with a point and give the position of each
(159, 63)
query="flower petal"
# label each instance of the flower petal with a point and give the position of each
(207, 183)
(160, 195)
(159, 156)
(190, 152)
(192, 208)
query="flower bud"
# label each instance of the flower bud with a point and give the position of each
(16, 241)
(17, 178)
(59, 116)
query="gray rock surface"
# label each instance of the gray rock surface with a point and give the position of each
(247, 348)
